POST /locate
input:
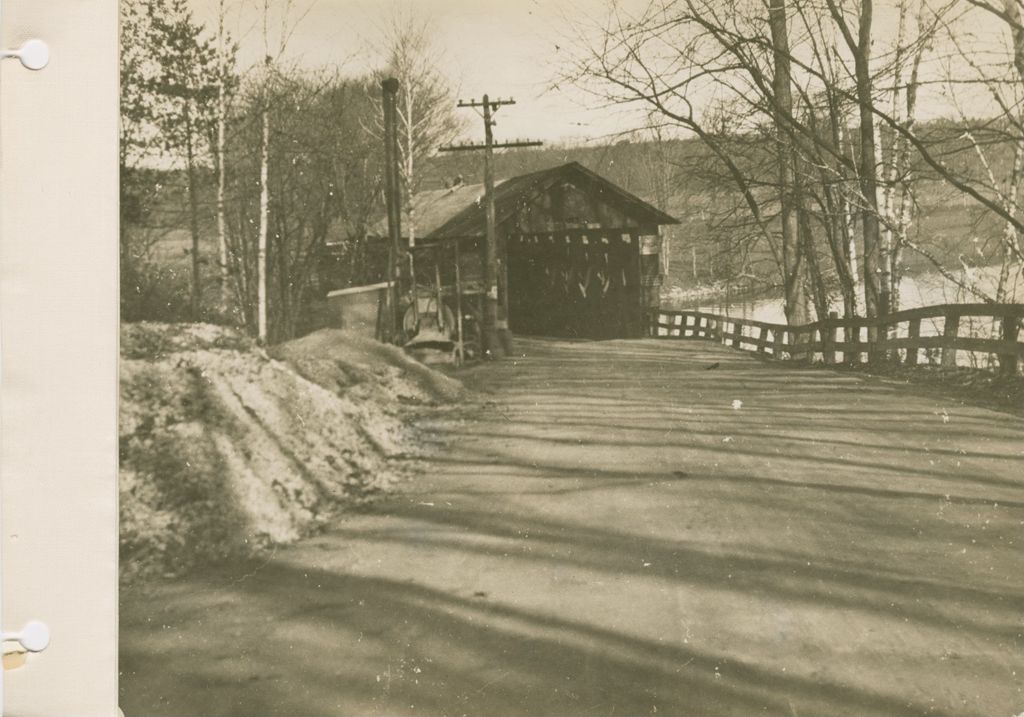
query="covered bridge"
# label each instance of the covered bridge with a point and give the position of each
(577, 255)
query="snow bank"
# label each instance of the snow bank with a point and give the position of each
(366, 368)
(227, 450)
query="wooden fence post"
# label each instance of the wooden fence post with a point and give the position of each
(881, 336)
(872, 343)
(1008, 362)
(851, 332)
(777, 338)
(829, 338)
(798, 345)
(804, 343)
(913, 334)
(887, 331)
(949, 333)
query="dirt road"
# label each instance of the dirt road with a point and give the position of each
(607, 535)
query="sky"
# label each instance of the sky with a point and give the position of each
(505, 48)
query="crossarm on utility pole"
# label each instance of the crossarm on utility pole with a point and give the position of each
(495, 332)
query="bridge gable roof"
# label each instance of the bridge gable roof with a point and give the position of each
(532, 202)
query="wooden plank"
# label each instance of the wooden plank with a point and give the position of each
(962, 343)
(854, 348)
(745, 343)
(991, 346)
(935, 311)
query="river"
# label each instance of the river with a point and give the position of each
(922, 290)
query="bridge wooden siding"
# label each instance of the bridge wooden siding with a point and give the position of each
(895, 337)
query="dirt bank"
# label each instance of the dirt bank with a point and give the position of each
(227, 450)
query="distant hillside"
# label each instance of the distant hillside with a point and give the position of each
(672, 175)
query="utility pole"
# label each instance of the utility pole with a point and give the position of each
(393, 198)
(496, 337)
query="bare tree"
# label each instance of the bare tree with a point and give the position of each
(876, 292)
(676, 57)
(991, 140)
(287, 21)
(225, 71)
(848, 122)
(789, 192)
(897, 203)
(322, 182)
(169, 76)
(188, 81)
(426, 101)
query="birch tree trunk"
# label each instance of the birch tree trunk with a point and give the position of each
(1011, 237)
(843, 220)
(222, 239)
(849, 220)
(885, 200)
(906, 210)
(875, 295)
(261, 251)
(891, 168)
(195, 305)
(409, 169)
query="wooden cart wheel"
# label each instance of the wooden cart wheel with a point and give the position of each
(412, 321)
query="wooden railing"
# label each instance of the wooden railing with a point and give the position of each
(894, 337)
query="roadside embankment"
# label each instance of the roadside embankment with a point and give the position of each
(226, 449)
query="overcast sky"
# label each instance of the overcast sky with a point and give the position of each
(501, 47)
(507, 48)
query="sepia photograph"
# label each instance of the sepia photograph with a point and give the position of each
(571, 357)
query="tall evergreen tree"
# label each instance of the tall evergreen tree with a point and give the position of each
(171, 78)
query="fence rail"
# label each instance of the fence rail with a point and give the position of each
(894, 337)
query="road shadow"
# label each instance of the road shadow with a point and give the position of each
(357, 645)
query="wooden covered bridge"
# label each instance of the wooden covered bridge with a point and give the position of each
(577, 255)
